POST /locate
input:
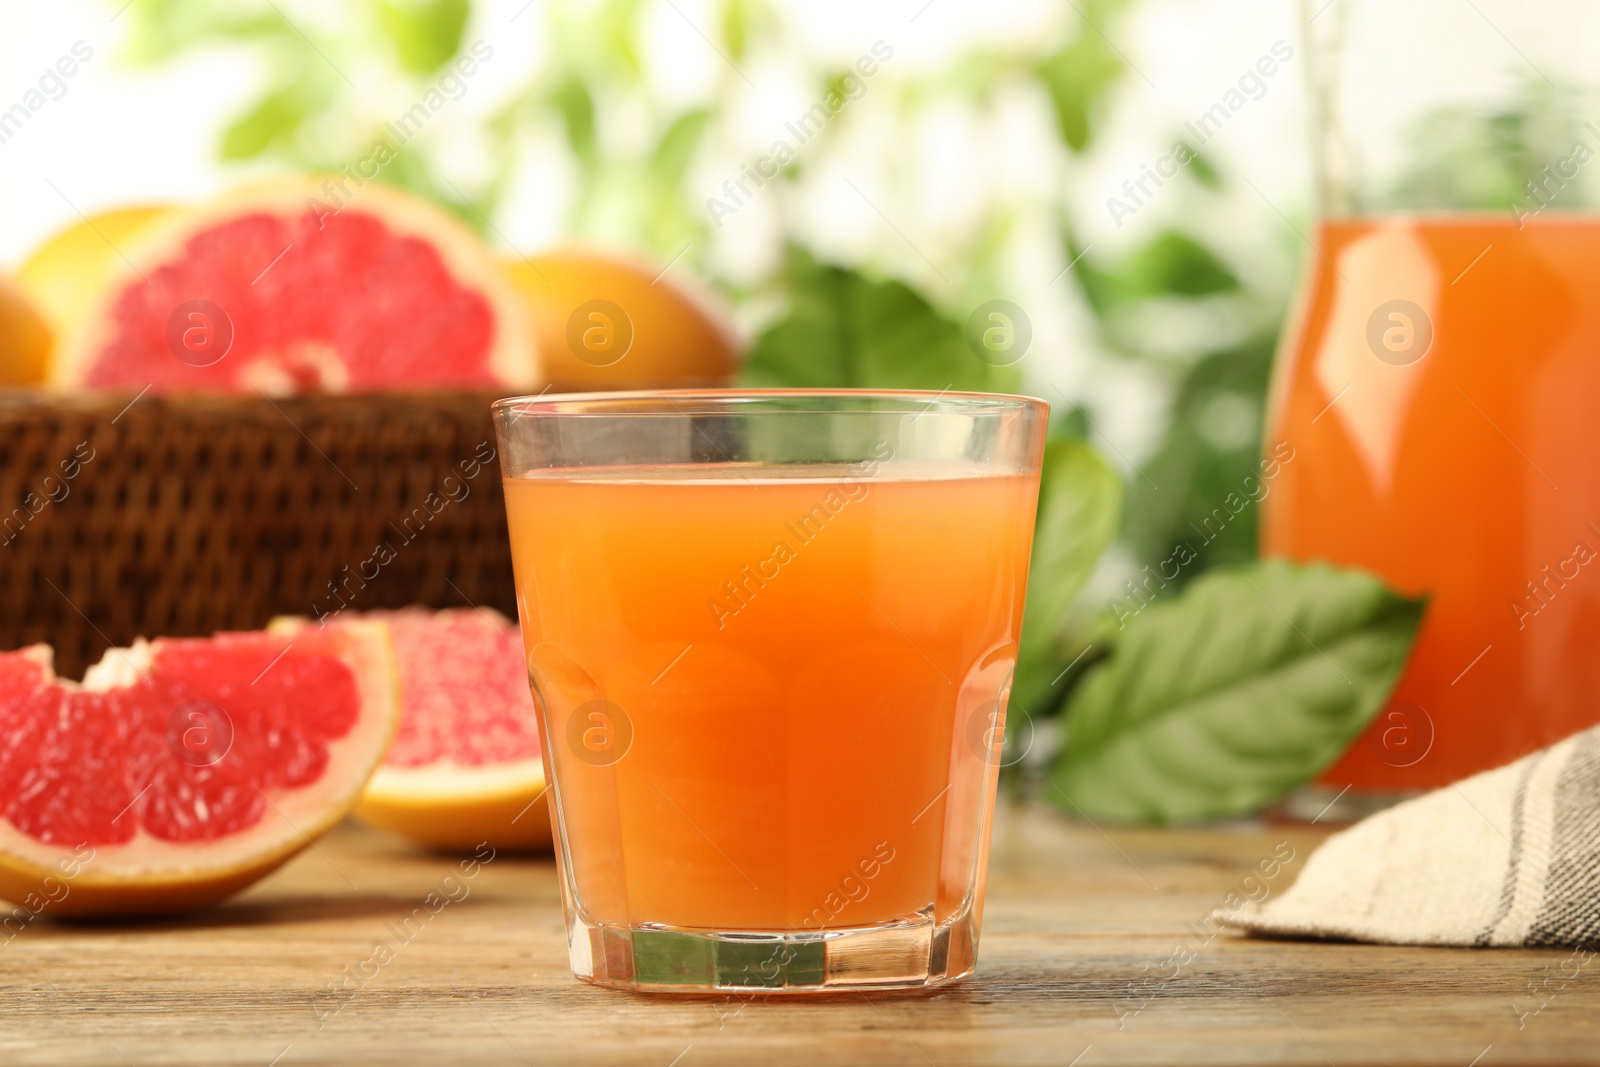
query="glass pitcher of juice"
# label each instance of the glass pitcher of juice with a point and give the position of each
(1439, 378)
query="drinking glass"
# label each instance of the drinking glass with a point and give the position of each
(770, 636)
(1436, 384)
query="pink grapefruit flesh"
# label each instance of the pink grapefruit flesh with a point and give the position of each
(465, 767)
(181, 770)
(272, 289)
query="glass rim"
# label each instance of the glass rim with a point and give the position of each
(615, 403)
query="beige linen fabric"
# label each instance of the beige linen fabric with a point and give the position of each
(1507, 857)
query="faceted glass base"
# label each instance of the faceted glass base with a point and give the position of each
(659, 959)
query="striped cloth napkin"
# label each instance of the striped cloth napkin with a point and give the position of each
(1508, 857)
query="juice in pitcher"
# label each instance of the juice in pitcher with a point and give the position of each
(1438, 388)
(1437, 381)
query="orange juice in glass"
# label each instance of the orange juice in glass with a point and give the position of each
(770, 636)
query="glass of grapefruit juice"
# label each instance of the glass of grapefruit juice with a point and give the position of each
(770, 637)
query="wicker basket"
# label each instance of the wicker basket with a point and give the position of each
(187, 515)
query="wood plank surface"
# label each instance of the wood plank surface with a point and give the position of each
(1080, 964)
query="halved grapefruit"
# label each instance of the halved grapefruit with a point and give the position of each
(287, 288)
(465, 766)
(181, 770)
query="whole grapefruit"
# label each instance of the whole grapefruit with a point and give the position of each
(64, 275)
(24, 337)
(606, 321)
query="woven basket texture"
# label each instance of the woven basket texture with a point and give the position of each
(184, 515)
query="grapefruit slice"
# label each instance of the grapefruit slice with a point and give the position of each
(284, 288)
(465, 766)
(181, 770)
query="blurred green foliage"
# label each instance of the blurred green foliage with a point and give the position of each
(847, 330)
(1080, 503)
(425, 36)
(266, 125)
(1197, 467)
(1079, 73)
(1464, 158)
(1171, 264)
(1207, 661)
(834, 326)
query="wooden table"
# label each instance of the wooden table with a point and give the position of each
(1077, 967)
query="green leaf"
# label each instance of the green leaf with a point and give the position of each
(1201, 168)
(1219, 701)
(742, 20)
(1077, 76)
(1103, 289)
(846, 330)
(274, 120)
(1210, 462)
(1080, 502)
(1175, 263)
(676, 147)
(424, 35)
(606, 40)
(572, 99)
(1170, 264)
(161, 30)
(815, 344)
